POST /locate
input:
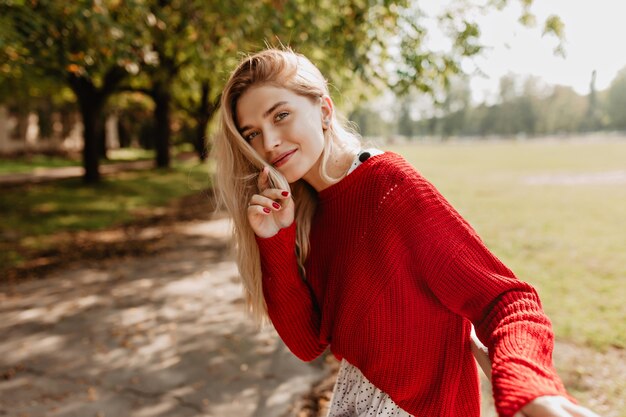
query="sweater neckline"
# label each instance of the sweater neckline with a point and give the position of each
(346, 182)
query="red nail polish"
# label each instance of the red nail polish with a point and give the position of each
(285, 193)
(265, 209)
(276, 205)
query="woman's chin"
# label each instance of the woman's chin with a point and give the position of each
(292, 174)
(292, 178)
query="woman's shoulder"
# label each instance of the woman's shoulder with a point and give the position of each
(389, 166)
(389, 177)
(377, 175)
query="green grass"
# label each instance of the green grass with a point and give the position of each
(567, 240)
(32, 212)
(32, 162)
(130, 154)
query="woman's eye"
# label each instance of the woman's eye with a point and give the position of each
(281, 116)
(251, 136)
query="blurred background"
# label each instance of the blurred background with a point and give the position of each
(118, 294)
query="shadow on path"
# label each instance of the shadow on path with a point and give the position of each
(162, 335)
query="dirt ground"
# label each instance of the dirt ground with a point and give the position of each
(148, 320)
(144, 335)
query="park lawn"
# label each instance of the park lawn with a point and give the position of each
(30, 163)
(31, 213)
(18, 165)
(567, 239)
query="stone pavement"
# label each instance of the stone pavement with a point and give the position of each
(164, 335)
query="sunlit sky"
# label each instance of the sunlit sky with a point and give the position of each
(595, 32)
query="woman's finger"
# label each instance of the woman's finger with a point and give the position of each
(258, 210)
(578, 411)
(555, 406)
(547, 411)
(263, 179)
(276, 193)
(264, 201)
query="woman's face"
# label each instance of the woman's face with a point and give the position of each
(285, 129)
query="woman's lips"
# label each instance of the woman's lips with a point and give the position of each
(281, 160)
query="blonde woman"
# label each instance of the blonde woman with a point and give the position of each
(353, 250)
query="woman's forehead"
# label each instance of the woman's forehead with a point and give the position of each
(256, 101)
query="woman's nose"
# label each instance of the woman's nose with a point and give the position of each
(271, 139)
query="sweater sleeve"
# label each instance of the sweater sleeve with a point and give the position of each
(290, 303)
(470, 281)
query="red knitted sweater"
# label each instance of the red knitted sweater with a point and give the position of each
(393, 278)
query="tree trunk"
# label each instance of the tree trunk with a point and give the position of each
(91, 101)
(162, 98)
(90, 109)
(199, 143)
(203, 117)
(102, 140)
(202, 120)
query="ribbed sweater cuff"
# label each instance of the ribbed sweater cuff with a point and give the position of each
(278, 258)
(522, 358)
(285, 234)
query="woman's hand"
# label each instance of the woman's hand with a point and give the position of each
(271, 210)
(553, 406)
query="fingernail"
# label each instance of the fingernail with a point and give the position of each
(285, 193)
(276, 205)
(265, 209)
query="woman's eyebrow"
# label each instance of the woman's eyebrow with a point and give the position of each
(267, 113)
(271, 109)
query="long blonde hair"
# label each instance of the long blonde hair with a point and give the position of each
(238, 165)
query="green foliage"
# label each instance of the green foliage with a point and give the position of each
(563, 111)
(82, 38)
(179, 52)
(555, 26)
(616, 101)
(201, 39)
(526, 107)
(88, 45)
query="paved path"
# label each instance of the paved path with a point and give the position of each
(39, 175)
(144, 337)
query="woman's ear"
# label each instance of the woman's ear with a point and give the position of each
(327, 109)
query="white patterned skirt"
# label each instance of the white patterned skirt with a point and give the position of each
(355, 396)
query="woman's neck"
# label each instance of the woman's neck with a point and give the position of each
(337, 167)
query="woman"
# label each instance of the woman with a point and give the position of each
(356, 251)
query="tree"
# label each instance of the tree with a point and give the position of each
(89, 46)
(406, 124)
(456, 105)
(348, 39)
(217, 33)
(616, 101)
(93, 46)
(168, 32)
(563, 111)
(593, 118)
(186, 40)
(26, 92)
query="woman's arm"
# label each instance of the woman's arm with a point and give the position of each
(469, 280)
(290, 303)
(546, 406)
